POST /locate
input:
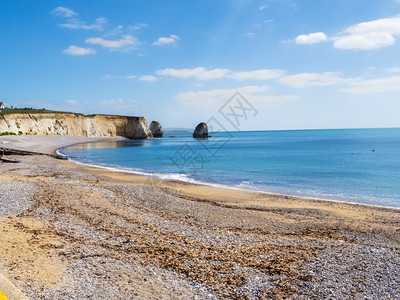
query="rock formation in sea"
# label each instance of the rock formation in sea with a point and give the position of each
(142, 131)
(201, 131)
(156, 129)
(75, 125)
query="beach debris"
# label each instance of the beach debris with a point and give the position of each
(201, 131)
(156, 129)
(8, 160)
(9, 151)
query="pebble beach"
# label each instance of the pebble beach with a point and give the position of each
(69, 231)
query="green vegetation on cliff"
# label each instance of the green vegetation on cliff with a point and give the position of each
(30, 110)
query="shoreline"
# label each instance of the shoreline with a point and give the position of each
(220, 186)
(74, 231)
(57, 143)
(158, 176)
(49, 144)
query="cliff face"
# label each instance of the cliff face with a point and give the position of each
(75, 125)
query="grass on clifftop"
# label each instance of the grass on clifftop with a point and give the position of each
(26, 110)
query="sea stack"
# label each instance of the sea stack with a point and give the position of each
(142, 131)
(156, 129)
(201, 131)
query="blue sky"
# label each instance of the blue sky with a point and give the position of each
(301, 64)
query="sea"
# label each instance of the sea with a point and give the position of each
(348, 165)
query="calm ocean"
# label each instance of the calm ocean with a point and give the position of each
(353, 165)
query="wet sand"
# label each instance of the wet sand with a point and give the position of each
(76, 232)
(48, 144)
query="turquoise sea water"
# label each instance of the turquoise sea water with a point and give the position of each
(354, 165)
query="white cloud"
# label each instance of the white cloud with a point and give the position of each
(215, 98)
(394, 69)
(118, 102)
(166, 40)
(149, 78)
(198, 85)
(250, 34)
(63, 12)
(312, 79)
(362, 36)
(218, 73)
(366, 41)
(369, 35)
(312, 38)
(78, 51)
(109, 76)
(198, 73)
(76, 24)
(264, 74)
(71, 102)
(138, 26)
(131, 77)
(262, 7)
(127, 41)
(374, 85)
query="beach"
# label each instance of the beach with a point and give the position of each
(70, 231)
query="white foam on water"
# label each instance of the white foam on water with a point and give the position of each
(244, 185)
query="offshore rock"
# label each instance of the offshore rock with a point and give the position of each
(201, 131)
(156, 129)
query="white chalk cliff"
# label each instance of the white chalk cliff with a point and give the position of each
(75, 125)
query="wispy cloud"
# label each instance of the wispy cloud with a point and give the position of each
(63, 12)
(162, 41)
(76, 24)
(264, 74)
(73, 21)
(249, 34)
(118, 102)
(312, 38)
(148, 78)
(198, 73)
(374, 85)
(71, 102)
(138, 26)
(393, 69)
(262, 7)
(78, 51)
(127, 42)
(214, 98)
(218, 73)
(312, 79)
(109, 76)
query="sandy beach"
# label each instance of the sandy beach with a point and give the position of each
(69, 231)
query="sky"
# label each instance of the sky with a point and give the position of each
(298, 64)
